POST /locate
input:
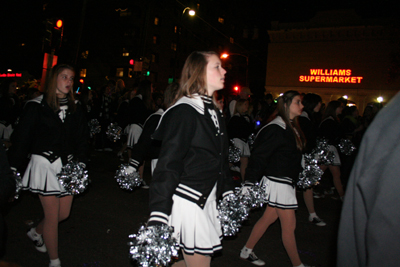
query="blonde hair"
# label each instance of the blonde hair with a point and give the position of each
(239, 106)
(51, 89)
(193, 78)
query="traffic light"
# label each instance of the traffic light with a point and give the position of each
(131, 62)
(57, 33)
(236, 88)
(147, 73)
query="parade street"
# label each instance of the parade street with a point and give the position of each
(96, 233)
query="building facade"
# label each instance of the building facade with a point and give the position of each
(334, 54)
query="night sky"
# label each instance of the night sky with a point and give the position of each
(22, 20)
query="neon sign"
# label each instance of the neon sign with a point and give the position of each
(330, 76)
(3, 75)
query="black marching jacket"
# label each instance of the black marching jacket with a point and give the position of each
(275, 154)
(146, 147)
(40, 131)
(193, 156)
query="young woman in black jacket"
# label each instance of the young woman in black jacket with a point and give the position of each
(331, 130)
(192, 171)
(307, 121)
(276, 158)
(239, 130)
(54, 130)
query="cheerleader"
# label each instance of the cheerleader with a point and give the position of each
(276, 157)
(239, 129)
(330, 129)
(53, 129)
(192, 171)
(312, 104)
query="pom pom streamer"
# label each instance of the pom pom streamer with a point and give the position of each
(251, 140)
(113, 132)
(234, 208)
(74, 178)
(346, 147)
(94, 127)
(234, 153)
(232, 212)
(311, 174)
(322, 153)
(153, 246)
(127, 181)
(18, 184)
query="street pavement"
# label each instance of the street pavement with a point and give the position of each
(96, 233)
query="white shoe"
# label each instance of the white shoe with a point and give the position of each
(37, 240)
(251, 257)
(317, 221)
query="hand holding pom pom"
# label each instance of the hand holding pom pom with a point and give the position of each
(74, 178)
(94, 127)
(346, 147)
(234, 153)
(153, 245)
(114, 132)
(127, 177)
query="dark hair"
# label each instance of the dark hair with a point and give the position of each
(51, 89)
(331, 109)
(144, 89)
(170, 93)
(310, 101)
(5, 85)
(193, 79)
(283, 108)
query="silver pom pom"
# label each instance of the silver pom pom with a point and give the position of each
(18, 184)
(125, 180)
(311, 174)
(153, 246)
(346, 147)
(113, 132)
(234, 153)
(94, 127)
(251, 140)
(73, 177)
(232, 212)
(255, 196)
(322, 153)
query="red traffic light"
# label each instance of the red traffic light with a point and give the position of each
(236, 88)
(59, 23)
(132, 62)
(81, 81)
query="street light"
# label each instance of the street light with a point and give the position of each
(191, 11)
(226, 55)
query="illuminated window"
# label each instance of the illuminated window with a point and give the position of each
(175, 29)
(120, 72)
(85, 54)
(130, 72)
(173, 46)
(156, 21)
(82, 73)
(221, 20)
(125, 52)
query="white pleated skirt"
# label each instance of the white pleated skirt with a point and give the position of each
(41, 177)
(197, 230)
(243, 146)
(280, 195)
(5, 132)
(133, 131)
(336, 160)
